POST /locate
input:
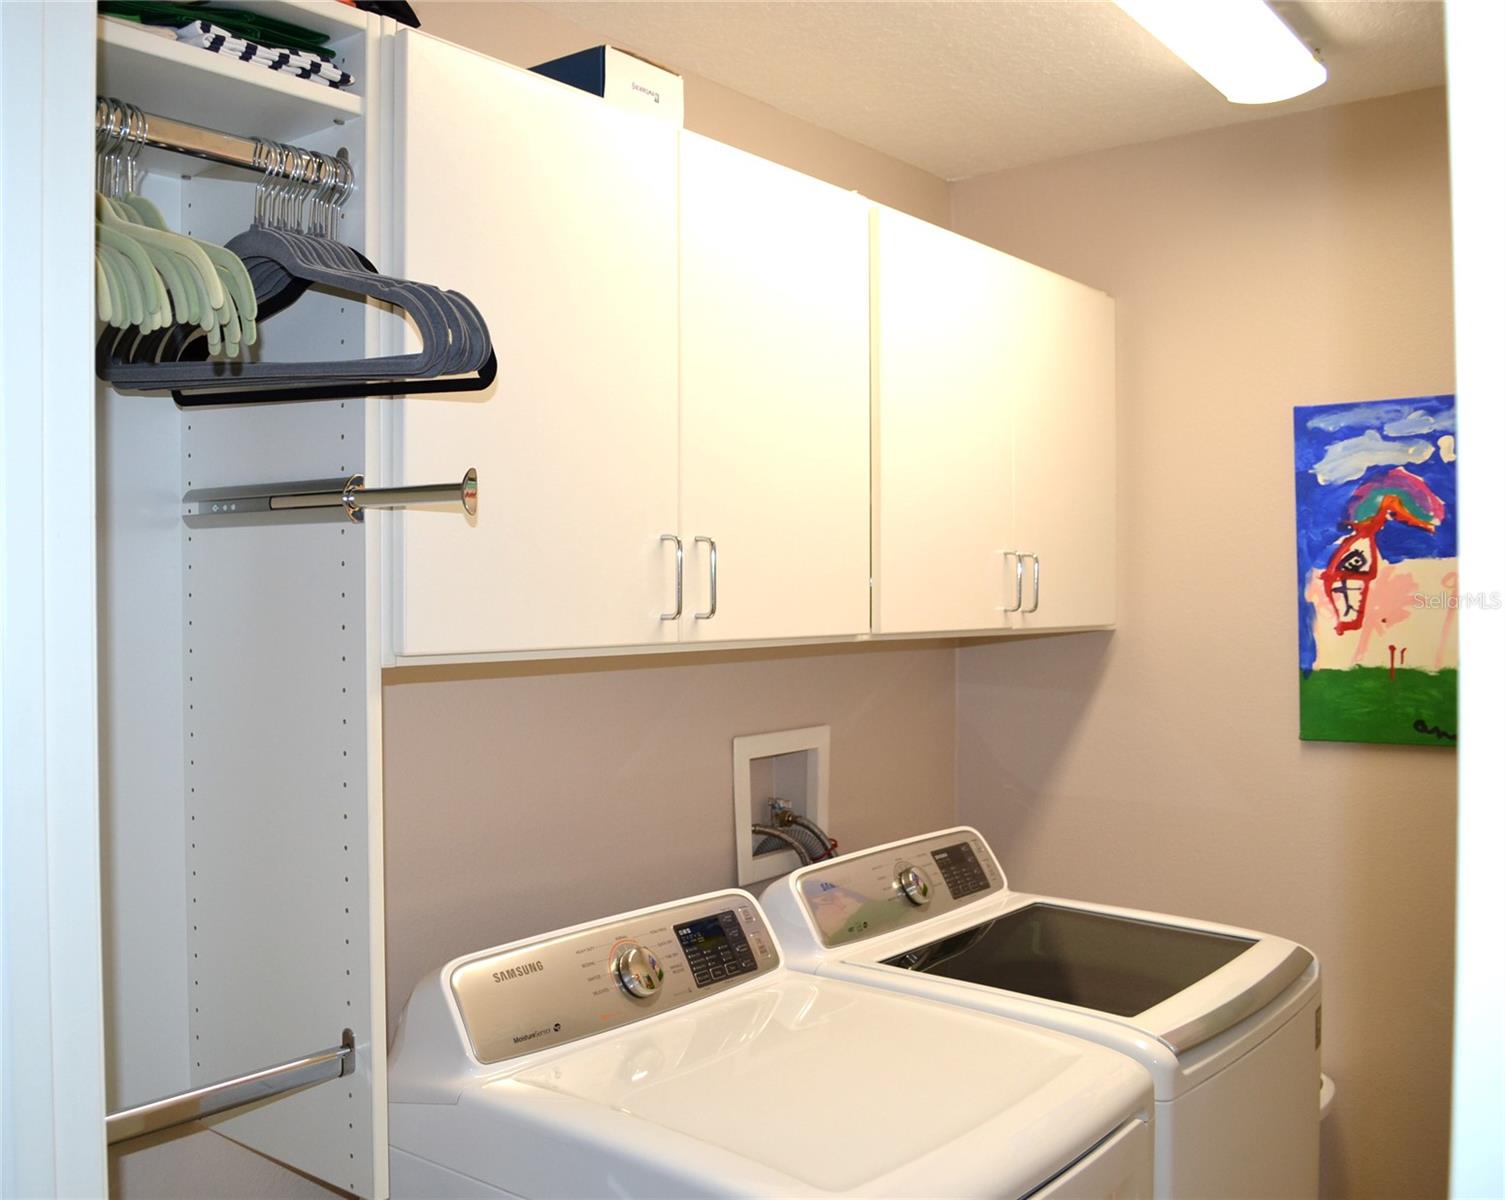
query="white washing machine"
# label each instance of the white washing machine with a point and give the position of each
(1227, 1021)
(668, 1052)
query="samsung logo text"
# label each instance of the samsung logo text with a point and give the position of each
(532, 968)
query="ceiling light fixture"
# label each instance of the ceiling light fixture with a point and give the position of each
(1241, 47)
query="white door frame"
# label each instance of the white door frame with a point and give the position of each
(52, 1048)
(1476, 120)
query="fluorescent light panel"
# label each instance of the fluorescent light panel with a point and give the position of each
(1239, 46)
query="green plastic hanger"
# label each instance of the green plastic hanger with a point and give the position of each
(108, 232)
(103, 305)
(229, 328)
(146, 212)
(120, 302)
(237, 318)
(172, 242)
(247, 319)
(191, 302)
(179, 288)
(130, 287)
(141, 211)
(139, 271)
(129, 304)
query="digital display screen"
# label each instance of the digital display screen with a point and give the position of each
(704, 935)
(715, 948)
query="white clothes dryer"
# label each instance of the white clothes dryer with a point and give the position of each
(668, 1052)
(1227, 1021)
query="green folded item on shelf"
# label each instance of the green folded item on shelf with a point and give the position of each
(252, 26)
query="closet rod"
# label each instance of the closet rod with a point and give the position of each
(180, 137)
(220, 1097)
(321, 499)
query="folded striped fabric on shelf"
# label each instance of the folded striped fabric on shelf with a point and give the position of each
(255, 25)
(303, 65)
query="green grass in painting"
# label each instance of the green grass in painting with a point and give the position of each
(1364, 704)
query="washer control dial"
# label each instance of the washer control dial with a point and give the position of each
(637, 970)
(915, 885)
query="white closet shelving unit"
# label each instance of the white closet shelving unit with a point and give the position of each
(240, 694)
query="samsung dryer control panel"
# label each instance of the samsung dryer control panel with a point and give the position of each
(862, 895)
(571, 985)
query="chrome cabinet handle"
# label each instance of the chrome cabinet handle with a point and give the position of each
(679, 577)
(1018, 580)
(710, 612)
(1035, 560)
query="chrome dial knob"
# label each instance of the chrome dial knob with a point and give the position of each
(637, 970)
(915, 885)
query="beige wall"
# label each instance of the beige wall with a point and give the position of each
(1301, 260)
(526, 798)
(520, 34)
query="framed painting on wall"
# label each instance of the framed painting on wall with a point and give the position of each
(1377, 570)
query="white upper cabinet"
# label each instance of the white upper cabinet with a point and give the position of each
(849, 421)
(994, 449)
(556, 215)
(1061, 353)
(774, 449)
(942, 444)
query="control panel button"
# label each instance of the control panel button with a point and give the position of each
(716, 948)
(637, 970)
(962, 874)
(914, 884)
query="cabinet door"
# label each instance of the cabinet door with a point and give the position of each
(774, 399)
(556, 214)
(1061, 367)
(942, 454)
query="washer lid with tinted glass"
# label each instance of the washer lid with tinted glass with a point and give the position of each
(1092, 959)
(939, 906)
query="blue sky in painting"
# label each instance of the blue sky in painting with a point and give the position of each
(1390, 428)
